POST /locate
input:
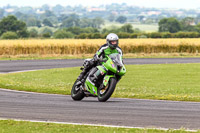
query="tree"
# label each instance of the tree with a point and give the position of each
(121, 19)
(46, 30)
(58, 8)
(86, 22)
(23, 33)
(97, 22)
(33, 33)
(45, 7)
(9, 35)
(197, 20)
(62, 34)
(62, 17)
(127, 28)
(78, 30)
(22, 16)
(171, 25)
(46, 35)
(48, 14)
(38, 23)
(19, 14)
(47, 22)
(188, 24)
(31, 22)
(26, 9)
(71, 21)
(90, 30)
(74, 30)
(111, 29)
(1, 13)
(197, 27)
(111, 17)
(10, 23)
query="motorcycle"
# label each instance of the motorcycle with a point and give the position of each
(101, 80)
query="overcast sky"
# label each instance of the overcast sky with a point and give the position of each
(188, 4)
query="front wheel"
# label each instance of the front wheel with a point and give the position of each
(76, 93)
(105, 93)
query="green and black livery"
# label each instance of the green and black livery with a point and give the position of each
(101, 80)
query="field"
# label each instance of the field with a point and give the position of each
(142, 27)
(179, 82)
(81, 47)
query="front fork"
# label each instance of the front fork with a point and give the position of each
(96, 74)
(106, 79)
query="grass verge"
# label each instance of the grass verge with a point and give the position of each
(179, 82)
(84, 56)
(10, 126)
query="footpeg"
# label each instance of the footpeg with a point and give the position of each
(78, 83)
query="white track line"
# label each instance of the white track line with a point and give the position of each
(21, 71)
(27, 92)
(99, 125)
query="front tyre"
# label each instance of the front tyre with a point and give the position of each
(105, 93)
(76, 93)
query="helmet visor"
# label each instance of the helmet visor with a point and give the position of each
(113, 43)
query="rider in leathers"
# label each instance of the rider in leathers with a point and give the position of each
(110, 47)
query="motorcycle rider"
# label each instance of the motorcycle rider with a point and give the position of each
(110, 47)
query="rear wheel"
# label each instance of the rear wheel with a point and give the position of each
(77, 93)
(105, 93)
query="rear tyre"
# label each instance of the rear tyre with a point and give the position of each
(77, 93)
(104, 95)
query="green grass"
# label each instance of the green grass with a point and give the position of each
(10, 126)
(179, 82)
(146, 27)
(138, 55)
(142, 27)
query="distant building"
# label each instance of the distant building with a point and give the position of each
(38, 11)
(95, 9)
(10, 10)
(153, 13)
(114, 13)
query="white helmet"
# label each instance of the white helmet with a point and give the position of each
(112, 37)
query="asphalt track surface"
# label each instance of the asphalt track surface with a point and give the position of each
(118, 112)
(24, 65)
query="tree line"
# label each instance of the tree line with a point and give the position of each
(173, 25)
(12, 28)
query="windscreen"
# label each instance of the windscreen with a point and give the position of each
(116, 58)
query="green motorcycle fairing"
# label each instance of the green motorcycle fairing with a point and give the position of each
(91, 87)
(113, 64)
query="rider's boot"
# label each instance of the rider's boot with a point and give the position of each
(80, 77)
(86, 68)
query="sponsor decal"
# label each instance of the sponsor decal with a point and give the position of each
(102, 73)
(94, 90)
(112, 64)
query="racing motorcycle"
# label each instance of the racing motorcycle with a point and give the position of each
(101, 80)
